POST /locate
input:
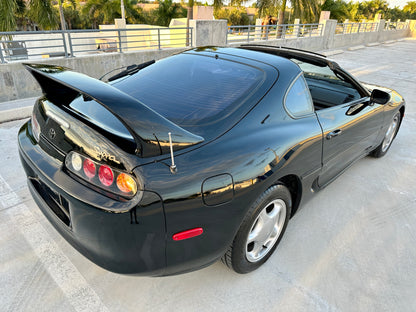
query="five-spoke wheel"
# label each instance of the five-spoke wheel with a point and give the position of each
(266, 230)
(260, 231)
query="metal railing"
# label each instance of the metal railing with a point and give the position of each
(20, 45)
(251, 33)
(353, 28)
(396, 25)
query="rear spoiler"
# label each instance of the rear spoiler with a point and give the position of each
(149, 129)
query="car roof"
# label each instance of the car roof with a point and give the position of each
(281, 64)
(286, 52)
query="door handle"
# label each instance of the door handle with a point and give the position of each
(333, 134)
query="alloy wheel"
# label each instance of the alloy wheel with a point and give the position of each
(265, 230)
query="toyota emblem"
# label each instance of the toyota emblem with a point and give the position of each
(52, 133)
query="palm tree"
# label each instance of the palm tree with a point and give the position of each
(338, 8)
(105, 11)
(308, 9)
(43, 13)
(218, 4)
(7, 18)
(166, 11)
(40, 11)
(410, 8)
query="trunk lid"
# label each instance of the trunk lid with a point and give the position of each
(70, 97)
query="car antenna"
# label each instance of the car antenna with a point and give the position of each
(173, 168)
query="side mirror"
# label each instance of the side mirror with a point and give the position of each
(379, 97)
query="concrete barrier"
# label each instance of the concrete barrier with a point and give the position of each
(17, 83)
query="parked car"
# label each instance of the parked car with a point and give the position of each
(172, 165)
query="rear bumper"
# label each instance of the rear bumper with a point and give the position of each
(131, 242)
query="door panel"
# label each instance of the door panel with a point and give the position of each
(349, 132)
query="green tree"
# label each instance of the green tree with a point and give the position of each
(218, 4)
(167, 11)
(353, 8)
(396, 14)
(235, 17)
(369, 9)
(7, 17)
(105, 11)
(268, 7)
(410, 9)
(307, 10)
(72, 15)
(338, 8)
(41, 12)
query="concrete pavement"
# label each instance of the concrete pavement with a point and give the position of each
(351, 248)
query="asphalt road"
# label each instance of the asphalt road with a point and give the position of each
(351, 248)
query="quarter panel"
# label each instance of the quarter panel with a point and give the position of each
(256, 153)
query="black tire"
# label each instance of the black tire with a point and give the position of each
(241, 255)
(388, 139)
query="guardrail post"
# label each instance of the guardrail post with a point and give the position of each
(158, 37)
(71, 51)
(119, 41)
(1, 55)
(192, 34)
(296, 28)
(248, 34)
(64, 43)
(359, 26)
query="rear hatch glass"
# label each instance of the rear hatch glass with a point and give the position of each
(194, 90)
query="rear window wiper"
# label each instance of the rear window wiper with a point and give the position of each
(131, 69)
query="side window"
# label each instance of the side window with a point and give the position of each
(298, 99)
(328, 87)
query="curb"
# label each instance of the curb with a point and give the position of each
(16, 114)
(332, 52)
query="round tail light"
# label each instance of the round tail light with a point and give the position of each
(76, 162)
(105, 174)
(89, 168)
(126, 183)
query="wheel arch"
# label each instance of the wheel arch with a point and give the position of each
(402, 110)
(293, 183)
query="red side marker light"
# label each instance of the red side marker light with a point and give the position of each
(187, 234)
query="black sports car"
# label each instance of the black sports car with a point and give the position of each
(171, 165)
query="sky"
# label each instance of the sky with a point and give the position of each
(400, 3)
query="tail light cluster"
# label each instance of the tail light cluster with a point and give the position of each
(101, 175)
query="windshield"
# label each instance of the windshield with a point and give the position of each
(192, 90)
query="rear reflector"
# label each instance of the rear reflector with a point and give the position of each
(187, 234)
